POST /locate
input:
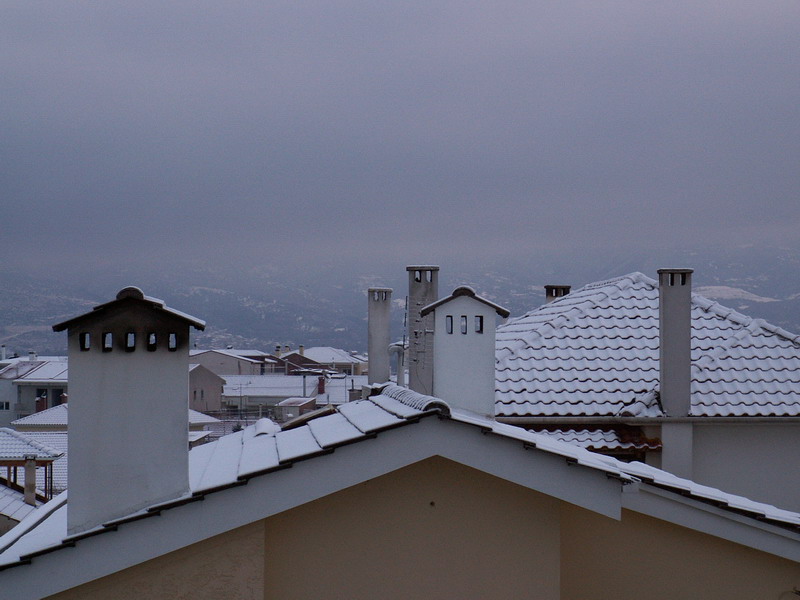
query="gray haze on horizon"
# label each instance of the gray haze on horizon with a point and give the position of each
(346, 132)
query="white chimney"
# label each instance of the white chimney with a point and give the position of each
(675, 364)
(464, 350)
(128, 380)
(379, 304)
(553, 292)
(3, 352)
(675, 340)
(423, 289)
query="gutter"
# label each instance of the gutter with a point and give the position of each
(606, 420)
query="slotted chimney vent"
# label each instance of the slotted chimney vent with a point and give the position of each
(552, 292)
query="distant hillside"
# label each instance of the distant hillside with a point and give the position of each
(262, 307)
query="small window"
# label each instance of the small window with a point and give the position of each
(448, 320)
(5, 406)
(85, 341)
(172, 343)
(108, 341)
(151, 341)
(130, 341)
(464, 324)
(478, 323)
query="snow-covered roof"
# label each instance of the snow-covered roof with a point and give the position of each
(285, 386)
(602, 439)
(57, 440)
(133, 293)
(49, 371)
(467, 291)
(408, 423)
(16, 446)
(59, 415)
(13, 505)
(235, 354)
(326, 355)
(594, 352)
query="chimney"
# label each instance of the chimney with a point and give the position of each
(287, 348)
(128, 378)
(464, 350)
(32, 355)
(675, 340)
(278, 350)
(30, 479)
(399, 349)
(552, 292)
(302, 350)
(379, 304)
(3, 352)
(423, 289)
(321, 385)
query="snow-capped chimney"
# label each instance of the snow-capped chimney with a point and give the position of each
(423, 289)
(464, 350)
(675, 340)
(301, 349)
(551, 292)
(379, 309)
(32, 356)
(128, 380)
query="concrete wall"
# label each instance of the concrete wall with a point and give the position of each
(464, 363)
(642, 557)
(227, 566)
(758, 460)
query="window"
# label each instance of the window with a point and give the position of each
(130, 341)
(464, 324)
(448, 320)
(172, 342)
(108, 341)
(151, 341)
(478, 323)
(5, 406)
(85, 341)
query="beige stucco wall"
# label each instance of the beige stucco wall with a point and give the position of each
(227, 566)
(643, 557)
(438, 529)
(433, 530)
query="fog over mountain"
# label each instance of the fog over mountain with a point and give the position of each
(260, 306)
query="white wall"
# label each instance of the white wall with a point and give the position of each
(128, 419)
(464, 364)
(758, 460)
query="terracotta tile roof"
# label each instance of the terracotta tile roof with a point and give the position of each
(594, 352)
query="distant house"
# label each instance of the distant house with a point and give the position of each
(205, 389)
(31, 385)
(232, 362)
(646, 370)
(335, 359)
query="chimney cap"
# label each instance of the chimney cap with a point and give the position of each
(675, 271)
(380, 289)
(465, 290)
(422, 268)
(130, 292)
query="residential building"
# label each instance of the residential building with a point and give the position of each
(594, 366)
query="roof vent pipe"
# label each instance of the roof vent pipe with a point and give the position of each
(675, 340)
(379, 303)
(552, 292)
(423, 289)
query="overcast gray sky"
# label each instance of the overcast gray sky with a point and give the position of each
(404, 131)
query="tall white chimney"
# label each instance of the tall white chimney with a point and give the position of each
(379, 304)
(128, 382)
(675, 364)
(675, 340)
(423, 289)
(464, 350)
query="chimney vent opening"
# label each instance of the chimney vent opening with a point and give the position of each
(108, 341)
(85, 341)
(130, 341)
